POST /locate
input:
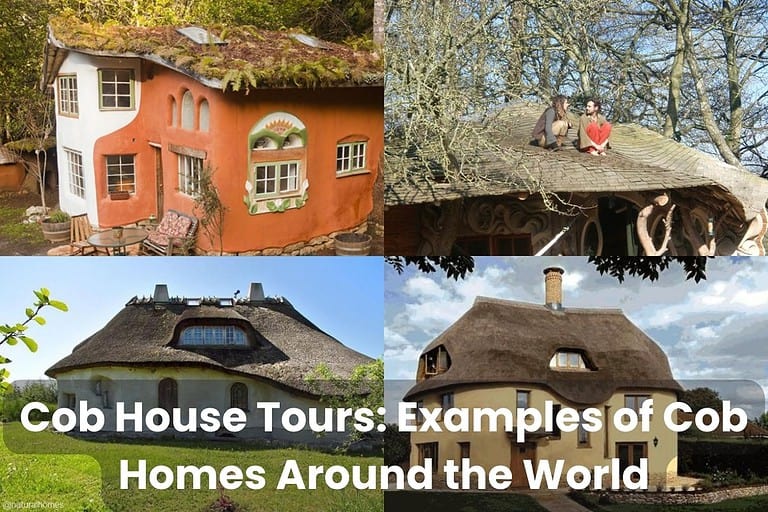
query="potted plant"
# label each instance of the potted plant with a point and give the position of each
(56, 227)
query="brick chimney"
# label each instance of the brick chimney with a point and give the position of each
(553, 286)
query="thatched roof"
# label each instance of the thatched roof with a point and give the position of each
(500, 341)
(639, 160)
(284, 346)
(248, 58)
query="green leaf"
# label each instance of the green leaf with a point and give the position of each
(6, 329)
(12, 340)
(4, 360)
(59, 305)
(4, 386)
(43, 298)
(45, 292)
(30, 312)
(30, 343)
(40, 320)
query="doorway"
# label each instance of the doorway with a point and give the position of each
(618, 218)
(519, 453)
(158, 152)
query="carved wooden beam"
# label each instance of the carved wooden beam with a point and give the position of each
(643, 231)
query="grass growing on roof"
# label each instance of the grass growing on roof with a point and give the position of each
(75, 480)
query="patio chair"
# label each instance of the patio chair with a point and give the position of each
(174, 235)
(79, 231)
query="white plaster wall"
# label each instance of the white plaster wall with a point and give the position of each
(197, 387)
(81, 133)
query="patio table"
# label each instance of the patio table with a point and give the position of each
(118, 240)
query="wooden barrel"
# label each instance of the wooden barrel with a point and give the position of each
(352, 244)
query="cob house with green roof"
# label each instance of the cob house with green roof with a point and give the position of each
(649, 196)
(290, 126)
(221, 352)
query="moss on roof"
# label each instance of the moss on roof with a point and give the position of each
(251, 57)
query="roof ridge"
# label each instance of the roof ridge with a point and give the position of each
(531, 305)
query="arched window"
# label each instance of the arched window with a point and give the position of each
(167, 394)
(205, 116)
(174, 113)
(238, 396)
(187, 111)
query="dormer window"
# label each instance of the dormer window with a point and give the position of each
(213, 335)
(434, 362)
(569, 360)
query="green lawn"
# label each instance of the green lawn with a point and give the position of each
(460, 501)
(75, 481)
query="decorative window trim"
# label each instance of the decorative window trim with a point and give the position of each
(116, 95)
(75, 172)
(125, 179)
(278, 139)
(68, 100)
(190, 170)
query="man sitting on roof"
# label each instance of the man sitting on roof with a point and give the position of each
(552, 126)
(594, 129)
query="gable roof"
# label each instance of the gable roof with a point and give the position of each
(639, 160)
(285, 346)
(250, 57)
(502, 342)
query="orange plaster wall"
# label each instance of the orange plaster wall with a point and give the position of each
(329, 115)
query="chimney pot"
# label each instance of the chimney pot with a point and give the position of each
(256, 292)
(553, 286)
(161, 293)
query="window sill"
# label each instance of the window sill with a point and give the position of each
(119, 196)
(355, 172)
(69, 116)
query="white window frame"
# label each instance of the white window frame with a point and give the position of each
(68, 104)
(124, 168)
(351, 157)
(213, 336)
(190, 174)
(273, 185)
(116, 95)
(75, 172)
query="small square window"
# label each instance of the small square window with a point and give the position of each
(116, 89)
(523, 399)
(278, 177)
(350, 157)
(121, 174)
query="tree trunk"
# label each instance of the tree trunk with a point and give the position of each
(733, 137)
(378, 23)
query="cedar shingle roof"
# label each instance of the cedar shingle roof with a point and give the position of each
(639, 160)
(262, 58)
(286, 346)
(501, 341)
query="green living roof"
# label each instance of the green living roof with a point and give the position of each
(248, 58)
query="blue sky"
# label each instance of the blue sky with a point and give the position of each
(342, 296)
(711, 331)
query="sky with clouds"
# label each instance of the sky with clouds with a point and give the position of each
(712, 330)
(342, 296)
